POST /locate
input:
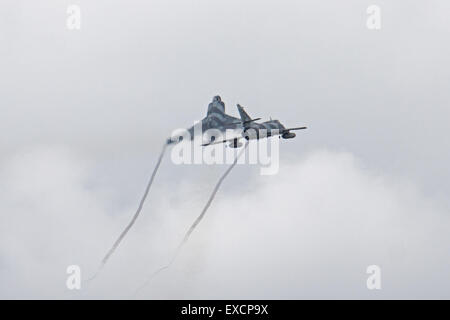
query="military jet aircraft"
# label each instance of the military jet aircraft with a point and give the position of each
(254, 131)
(216, 118)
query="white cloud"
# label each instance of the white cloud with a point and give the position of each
(309, 231)
(110, 94)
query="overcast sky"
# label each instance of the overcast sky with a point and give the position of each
(84, 113)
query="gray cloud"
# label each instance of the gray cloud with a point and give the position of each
(309, 231)
(84, 114)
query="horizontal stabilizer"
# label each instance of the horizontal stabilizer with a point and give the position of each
(247, 121)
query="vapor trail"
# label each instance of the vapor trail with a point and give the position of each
(211, 198)
(197, 221)
(138, 211)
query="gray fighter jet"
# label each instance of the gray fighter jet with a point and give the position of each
(216, 118)
(253, 130)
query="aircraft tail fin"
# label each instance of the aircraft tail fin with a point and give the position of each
(216, 106)
(244, 116)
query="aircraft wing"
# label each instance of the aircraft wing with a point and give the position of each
(298, 128)
(220, 141)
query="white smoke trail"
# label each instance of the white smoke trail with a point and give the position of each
(138, 211)
(196, 222)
